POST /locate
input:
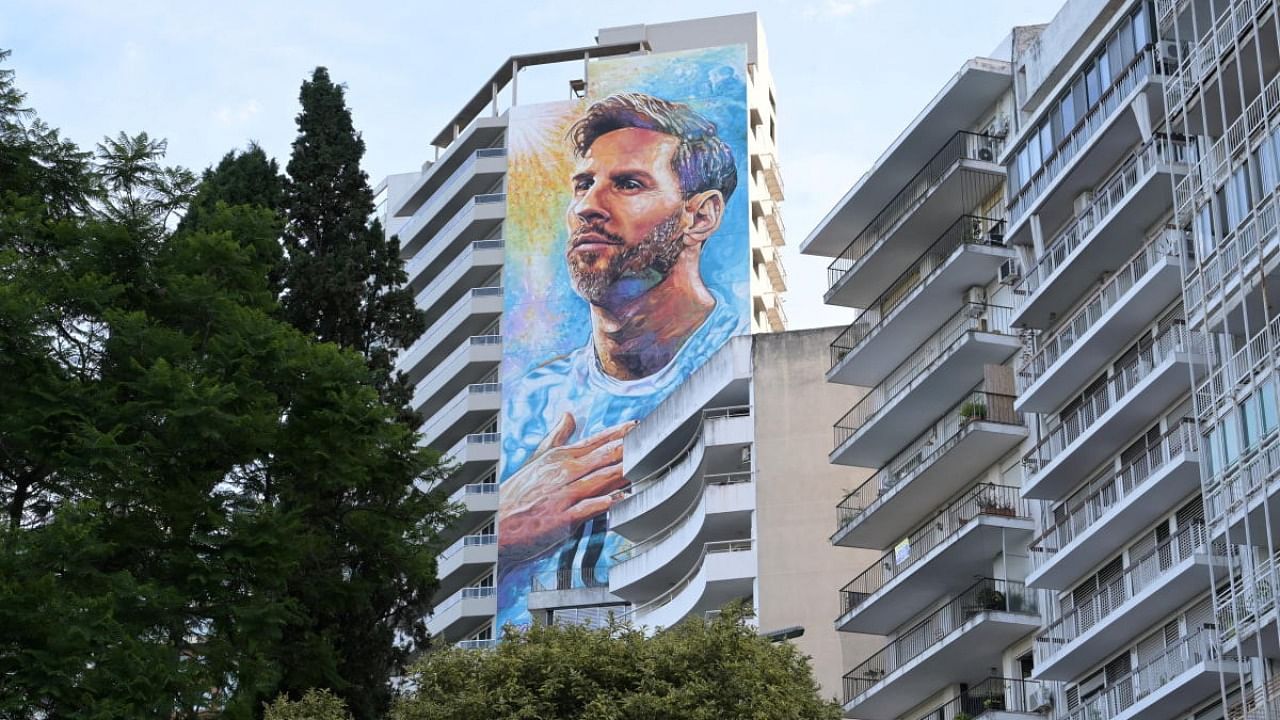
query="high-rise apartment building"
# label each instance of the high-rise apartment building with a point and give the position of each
(1083, 514)
(712, 509)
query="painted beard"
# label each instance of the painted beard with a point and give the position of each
(632, 271)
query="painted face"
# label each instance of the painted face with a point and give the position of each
(625, 220)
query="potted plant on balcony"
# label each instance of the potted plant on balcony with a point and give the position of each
(990, 598)
(992, 505)
(973, 410)
(993, 702)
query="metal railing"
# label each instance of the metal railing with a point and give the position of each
(456, 269)
(986, 595)
(964, 145)
(485, 644)
(1175, 339)
(968, 230)
(466, 541)
(995, 694)
(442, 419)
(687, 451)
(461, 308)
(1111, 194)
(1138, 576)
(711, 548)
(1051, 347)
(971, 318)
(699, 501)
(1189, 651)
(1202, 56)
(483, 438)
(1143, 64)
(1084, 509)
(978, 501)
(930, 445)
(485, 340)
(1250, 596)
(466, 593)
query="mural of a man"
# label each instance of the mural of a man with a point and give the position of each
(649, 188)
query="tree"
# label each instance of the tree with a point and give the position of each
(315, 705)
(698, 670)
(344, 281)
(246, 177)
(204, 506)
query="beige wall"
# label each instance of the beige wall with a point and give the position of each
(800, 572)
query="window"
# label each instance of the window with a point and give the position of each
(1205, 239)
(1267, 400)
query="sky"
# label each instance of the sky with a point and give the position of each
(212, 76)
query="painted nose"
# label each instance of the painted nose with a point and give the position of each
(589, 209)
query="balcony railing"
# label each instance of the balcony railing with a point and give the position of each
(981, 500)
(1249, 598)
(686, 451)
(972, 318)
(456, 269)
(925, 450)
(1139, 68)
(1173, 340)
(700, 500)
(963, 145)
(1106, 491)
(986, 595)
(711, 548)
(460, 309)
(1051, 347)
(467, 593)
(464, 213)
(483, 438)
(443, 418)
(993, 695)
(466, 541)
(1189, 651)
(1110, 195)
(477, 644)
(1141, 574)
(1202, 56)
(968, 230)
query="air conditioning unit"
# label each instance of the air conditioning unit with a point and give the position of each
(1170, 52)
(976, 295)
(1010, 273)
(1040, 700)
(1083, 201)
(986, 154)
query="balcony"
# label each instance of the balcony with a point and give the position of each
(470, 407)
(1104, 422)
(1171, 575)
(470, 315)
(1109, 230)
(1184, 675)
(1116, 312)
(464, 561)
(957, 643)
(475, 177)
(476, 503)
(995, 698)
(946, 552)
(1084, 156)
(476, 220)
(723, 511)
(918, 301)
(1117, 504)
(770, 216)
(465, 612)
(471, 458)
(767, 165)
(1245, 611)
(480, 134)
(963, 171)
(724, 572)
(466, 365)
(972, 435)
(476, 264)
(933, 378)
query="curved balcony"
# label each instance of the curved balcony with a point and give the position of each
(643, 507)
(478, 219)
(474, 177)
(463, 561)
(1117, 504)
(1128, 302)
(472, 313)
(722, 512)
(476, 502)
(467, 364)
(461, 615)
(1171, 575)
(944, 553)
(1084, 156)
(958, 176)
(725, 571)
(995, 698)
(470, 459)
(918, 301)
(971, 435)
(1184, 675)
(1110, 229)
(956, 643)
(473, 266)
(934, 377)
(1117, 411)
(480, 134)
(471, 406)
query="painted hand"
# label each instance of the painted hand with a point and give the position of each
(560, 486)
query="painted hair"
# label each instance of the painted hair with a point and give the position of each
(702, 160)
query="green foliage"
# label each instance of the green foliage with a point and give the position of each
(202, 505)
(314, 705)
(694, 671)
(345, 282)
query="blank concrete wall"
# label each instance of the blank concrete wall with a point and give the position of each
(800, 572)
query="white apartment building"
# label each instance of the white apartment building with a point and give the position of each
(698, 513)
(1083, 515)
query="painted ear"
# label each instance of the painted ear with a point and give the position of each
(706, 210)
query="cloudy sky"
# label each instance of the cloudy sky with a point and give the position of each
(211, 76)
